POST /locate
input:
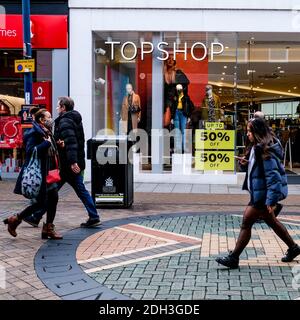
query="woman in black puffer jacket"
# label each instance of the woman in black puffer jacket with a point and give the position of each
(267, 184)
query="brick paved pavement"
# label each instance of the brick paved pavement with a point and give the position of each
(17, 255)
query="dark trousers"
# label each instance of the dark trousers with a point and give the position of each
(42, 206)
(76, 182)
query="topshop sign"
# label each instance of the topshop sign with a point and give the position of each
(129, 50)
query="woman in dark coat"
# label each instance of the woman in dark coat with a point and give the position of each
(267, 184)
(39, 137)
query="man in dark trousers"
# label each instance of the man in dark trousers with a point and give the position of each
(69, 135)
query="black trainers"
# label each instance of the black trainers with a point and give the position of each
(291, 254)
(32, 221)
(278, 208)
(229, 261)
(90, 223)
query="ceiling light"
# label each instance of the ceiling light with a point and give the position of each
(289, 90)
(225, 67)
(226, 47)
(223, 73)
(264, 90)
(261, 83)
(278, 67)
(5, 52)
(295, 88)
(257, 87)
(222, 79)
(281, 71)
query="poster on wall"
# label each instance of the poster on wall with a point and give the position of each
(42, 94)
(10, 132)
(26, 117)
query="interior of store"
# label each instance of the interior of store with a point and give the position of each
(256, 71)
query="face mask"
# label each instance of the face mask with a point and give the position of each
(49, 123)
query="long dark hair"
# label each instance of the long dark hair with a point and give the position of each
(263, 136)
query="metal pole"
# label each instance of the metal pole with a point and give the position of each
(27, 52)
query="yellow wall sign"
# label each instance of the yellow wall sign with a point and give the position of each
(24, 65)
(214, 160)
(215, 139)
(214, 125)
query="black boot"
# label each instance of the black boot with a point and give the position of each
(291, 254)
(230, 261)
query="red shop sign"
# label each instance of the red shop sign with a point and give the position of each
(47, 31)
(10, 132)
(42, 94)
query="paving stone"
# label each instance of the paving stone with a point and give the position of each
(197, 272)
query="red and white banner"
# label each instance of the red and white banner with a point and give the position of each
(42, 94)
(47, 31)
(10, 132)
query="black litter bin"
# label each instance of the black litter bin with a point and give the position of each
(112, 173)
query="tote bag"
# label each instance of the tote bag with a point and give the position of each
(32, 177)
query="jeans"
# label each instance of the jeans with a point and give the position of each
(180, 121)
(76, 182)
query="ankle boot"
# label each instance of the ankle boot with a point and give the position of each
(48, 232)
(12, 224)
(291, 254)
(229, 261)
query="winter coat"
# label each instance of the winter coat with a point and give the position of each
(136, 102)
(268, 181)
(35, 138)
(68, 127)
(187, 106)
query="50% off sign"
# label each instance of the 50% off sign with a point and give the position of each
(215, 139)
(214, 160)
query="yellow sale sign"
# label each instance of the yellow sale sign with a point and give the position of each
(214, 160)
(214, 125)
(215, 139)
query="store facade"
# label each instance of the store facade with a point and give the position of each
(49, 36)
(231, 60)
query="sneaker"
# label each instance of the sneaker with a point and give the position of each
(32, 221)
(278, 208)
(291, 254)
(90, 223)
(229, 261)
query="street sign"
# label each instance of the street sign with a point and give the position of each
(24, 65)
(214, 160)
(214, 125)
(215, 139)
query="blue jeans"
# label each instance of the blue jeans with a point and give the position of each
(76, 182)
(180, 121)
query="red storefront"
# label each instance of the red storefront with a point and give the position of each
(49, 35)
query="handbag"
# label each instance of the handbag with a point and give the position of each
(167, 117)
(134, 109)
(32, 177)
(53, 175)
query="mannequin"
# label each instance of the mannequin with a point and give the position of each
(210, 105)
(131, 109)
(172, 77)
(181, 111)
